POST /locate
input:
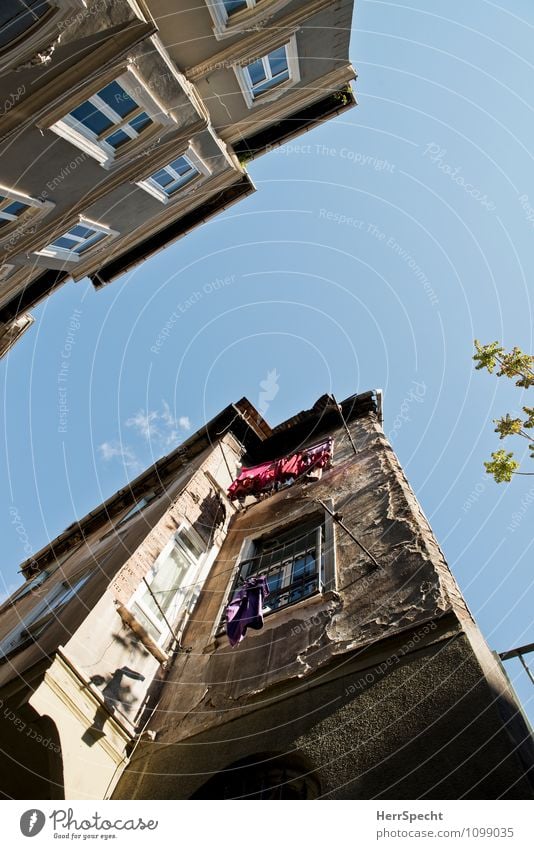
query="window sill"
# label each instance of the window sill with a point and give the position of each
(220, 638)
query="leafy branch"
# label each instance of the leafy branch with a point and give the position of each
(518, 366)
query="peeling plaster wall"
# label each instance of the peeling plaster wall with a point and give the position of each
(411, 598)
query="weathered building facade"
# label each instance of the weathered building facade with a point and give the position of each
(126, 124)
(368, 679)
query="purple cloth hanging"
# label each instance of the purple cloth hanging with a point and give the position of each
(246, 609)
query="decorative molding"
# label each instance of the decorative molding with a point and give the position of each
(258, 44)
(31, 110)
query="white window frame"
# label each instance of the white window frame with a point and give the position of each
(191, 579)
(83, 138)
(33, 204)
(72, 256)
(245, 82)
(55, 600)
(191, 156)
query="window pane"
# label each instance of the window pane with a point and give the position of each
(234, 5)
(16, 208)
(278, 61)
(91, 117)
(181, 165)
(119, 99)
(191, 546)
(82, 231)
(166, 583)
(117, 139)
(83, 246)
(163, 178)
(149, 626)
(140, 122)
(256, 71)
(268, 84)
(65, 242)
(16, 16)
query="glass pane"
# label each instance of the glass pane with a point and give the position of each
(16, 208)
(82, 231)
(119, 99)
(256, 71)
(140, 122)
(191, 546)
(2, 197)
(91, 117)
(181, 165)
(16, 16)
(117, 139)
(278, 61)
(163, 178)
(83, 246)
(147, 624)
(232, 6)
(166, 583)
(268, 84)
(65, 242)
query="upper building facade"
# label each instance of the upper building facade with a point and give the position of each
(125, 124)
(363, 676)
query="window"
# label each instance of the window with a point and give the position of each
(30, 627)
(16, 207)
(232, 6)
(76, 241)
(297, 563)
(140, 505)
(111, 121)
(261, 77)
(172, 582)
(18, 16)
(169, 180)
(10, 210)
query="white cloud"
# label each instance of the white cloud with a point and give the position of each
(111, 450)
(144, 423)
(185, 422)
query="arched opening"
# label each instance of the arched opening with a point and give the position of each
(265, 775)
(30, 749)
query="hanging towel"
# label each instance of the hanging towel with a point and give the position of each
(246, 609)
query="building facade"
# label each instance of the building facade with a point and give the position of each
(365, 676)
(126, 124)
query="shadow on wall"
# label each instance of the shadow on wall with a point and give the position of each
(266, 775)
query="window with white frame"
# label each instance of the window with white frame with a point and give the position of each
(16, 207)
(17, 17)
(167, 181)
(263, 78)
(77, 240)
(172, 584)
(234, 16)
(34, 623)
(109, 122)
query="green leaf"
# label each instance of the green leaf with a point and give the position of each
(506, 426)
(502, 466)
(486, 355)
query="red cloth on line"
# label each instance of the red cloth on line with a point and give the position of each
(258, 479)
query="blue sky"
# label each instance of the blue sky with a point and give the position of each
(375, 249)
